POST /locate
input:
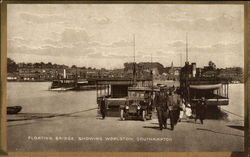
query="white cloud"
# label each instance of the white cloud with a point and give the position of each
(41, 18)
(69, 33)
(99, 20)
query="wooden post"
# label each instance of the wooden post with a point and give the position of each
(227, 90)
(217, 95)
(101, 90)
(108, 89)
(97, 95)
(111, 91)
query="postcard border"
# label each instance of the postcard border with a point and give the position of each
(3, 97)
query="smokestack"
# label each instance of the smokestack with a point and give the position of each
(134, 70)
(193, 69)
(64, 73)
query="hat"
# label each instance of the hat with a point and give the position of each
(162, 90)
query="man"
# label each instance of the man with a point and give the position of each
(201, 110)
(173, 103)
(103, 108)
(160, 107)
(165, 111)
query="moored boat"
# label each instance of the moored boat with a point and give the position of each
(195, 85)
(75, 83)
(72, 84)
(62, 85)
(14, 109)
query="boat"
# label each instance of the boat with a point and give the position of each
(14, 109)
(85, 84)
(72, 84)
(65, 84)
(195, 85)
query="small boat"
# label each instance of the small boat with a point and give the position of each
(65, 84)
(13, 109)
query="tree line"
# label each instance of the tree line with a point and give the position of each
(12, 66)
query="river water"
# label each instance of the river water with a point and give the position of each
(34, 97)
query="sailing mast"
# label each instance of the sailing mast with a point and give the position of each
(186, 75)
(134, 46)
(152, 77)
(186, 47)
(152, 71)
(180, 59)
(134, 64)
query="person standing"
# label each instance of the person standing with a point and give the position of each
(165, 110)
(160, 103)
(174, 108)
(171, 109)
(103, 108)
(201, 110)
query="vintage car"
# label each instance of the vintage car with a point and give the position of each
(138, 104)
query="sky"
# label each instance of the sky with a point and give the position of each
(102, 35)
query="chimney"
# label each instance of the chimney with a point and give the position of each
(64, 73)
(193, 69)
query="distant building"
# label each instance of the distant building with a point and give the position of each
(232, 74)
(12, 76)
(173, 72)
(155, 71)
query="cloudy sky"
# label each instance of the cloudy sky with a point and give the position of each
(101, 35)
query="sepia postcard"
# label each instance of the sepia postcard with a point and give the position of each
(114, 78)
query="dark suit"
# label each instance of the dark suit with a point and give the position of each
(161, 108)
(103, 109)
(200, 110)
(174, 109)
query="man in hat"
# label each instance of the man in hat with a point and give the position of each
(201, 110)
(103, 108)
(173, 103)
(161, 107)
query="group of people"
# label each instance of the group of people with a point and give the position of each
(170, 105)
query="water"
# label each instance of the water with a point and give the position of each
(236, 101)
(35, 97)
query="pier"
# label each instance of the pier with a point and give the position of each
(93, 134)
